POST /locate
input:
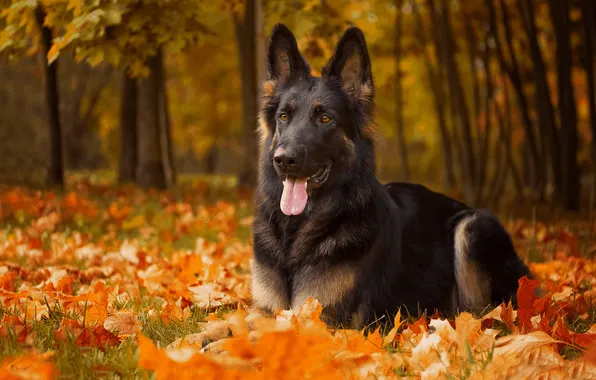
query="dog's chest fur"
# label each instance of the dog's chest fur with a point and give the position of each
(300, 257)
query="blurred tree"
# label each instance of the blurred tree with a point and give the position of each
(128, 130)
(435, 74)
(245, 22)
(399, 101)
(559, 13)
(150, 169)
(589, 34)
(458, 98)
(544, 105)
(513, 71)
(55, 165)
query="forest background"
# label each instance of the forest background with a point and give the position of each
(479, 99)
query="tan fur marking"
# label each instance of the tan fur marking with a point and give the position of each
(262, 129)
(357, 320)
(473, 286)
(328, 286)
(371, 132)
(366, 93)
(269, 87)
(266, 289)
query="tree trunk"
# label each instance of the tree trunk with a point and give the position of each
(165, 124)
(461, 107)
(435, 78)
(559, 12)
(150, 167)
(534, 164)
(544, 106)
(484, 137)
(246, 40)
(401, 139)
(589, 24)
(472, 49)
(55, 167)
(128, 130)
(505, 138)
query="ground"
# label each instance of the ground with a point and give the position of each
(104, 281)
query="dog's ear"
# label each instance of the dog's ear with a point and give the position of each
(284, 61)
(350, 64)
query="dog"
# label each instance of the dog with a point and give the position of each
(325, 226)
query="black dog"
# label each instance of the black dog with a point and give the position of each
(326, 227)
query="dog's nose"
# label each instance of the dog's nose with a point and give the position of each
(285, 159)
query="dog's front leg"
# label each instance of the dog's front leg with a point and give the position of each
(269, 289)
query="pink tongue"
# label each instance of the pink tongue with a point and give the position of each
(294, 197)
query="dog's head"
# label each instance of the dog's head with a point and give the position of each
(312, 128)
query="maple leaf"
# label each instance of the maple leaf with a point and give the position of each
(525, 300)
(467, 331)
(7, 281)
(97, 337)
(123, 322)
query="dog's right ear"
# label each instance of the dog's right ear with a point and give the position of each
(284, 61)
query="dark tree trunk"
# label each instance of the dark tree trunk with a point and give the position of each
(534, 164)
(472, 50)
(401, 139)
(246, 40)
(128, 130)
(55, 166)
(559, 12)
(150, 167)
(435, 78)
(461, 107)
(484, 137)
(589, 23)
(165, 124)
(505, 139)
(544, 106)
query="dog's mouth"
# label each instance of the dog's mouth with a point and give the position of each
(295, 192)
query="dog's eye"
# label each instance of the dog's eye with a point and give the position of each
(325, 119)
(283, 117)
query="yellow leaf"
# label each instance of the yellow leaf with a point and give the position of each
(53, 53)
(133, 223)
(76, 6)
(467, 330)
(397, 322)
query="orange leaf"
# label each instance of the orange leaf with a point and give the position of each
(97, 337)
(29, 367)
(419, 326)
(7, 281)
(467, 330)
(123, 322)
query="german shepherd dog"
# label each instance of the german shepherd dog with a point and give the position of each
(326, 227)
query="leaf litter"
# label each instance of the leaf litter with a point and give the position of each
(104, 267)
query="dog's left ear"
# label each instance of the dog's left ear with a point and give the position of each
(350, 64)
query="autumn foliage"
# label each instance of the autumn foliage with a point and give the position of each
(103, 266)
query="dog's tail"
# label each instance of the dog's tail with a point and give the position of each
(487, 267)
